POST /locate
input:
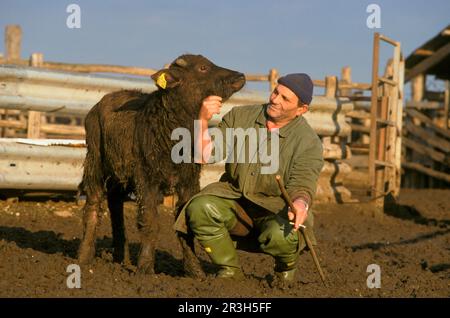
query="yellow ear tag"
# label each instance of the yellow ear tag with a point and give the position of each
(161, 81)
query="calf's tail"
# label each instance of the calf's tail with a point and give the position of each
(93, 179)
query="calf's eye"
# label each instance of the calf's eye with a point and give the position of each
(203, 68)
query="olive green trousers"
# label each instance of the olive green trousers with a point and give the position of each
(212, 218)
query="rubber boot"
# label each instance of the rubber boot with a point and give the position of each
(286, 271)
(222, 252)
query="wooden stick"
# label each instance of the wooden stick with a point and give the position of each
(302, 231)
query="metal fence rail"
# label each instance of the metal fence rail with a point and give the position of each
(57, 165)
(28, 88)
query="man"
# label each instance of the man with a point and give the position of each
(247, 201)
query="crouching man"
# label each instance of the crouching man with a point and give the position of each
(247, 201)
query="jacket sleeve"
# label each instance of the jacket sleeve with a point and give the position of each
(305, 169)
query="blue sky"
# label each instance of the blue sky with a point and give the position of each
(317, 37)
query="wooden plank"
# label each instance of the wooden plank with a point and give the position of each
(360, 128)
(429, 62)
(374, 112)
(395, 132)
(63, 130)
(428, 171)
(446, 103)
(425, 119)
(359, 114)
(384, 163)
(387, 81)
(424, 105)
(388, 40)
(12, 124)
(428, 137)
(423, 52)
(434, 96)
(427, 151)
(385, 122)
(46, 128)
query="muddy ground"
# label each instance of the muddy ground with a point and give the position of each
(411, 244)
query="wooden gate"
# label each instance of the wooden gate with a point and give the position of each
(386, 124)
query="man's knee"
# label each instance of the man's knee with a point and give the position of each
(278, 239)
(209, 211)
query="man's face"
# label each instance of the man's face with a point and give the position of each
(283, 106)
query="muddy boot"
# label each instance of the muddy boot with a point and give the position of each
(285, 271)
(222, 252)
(284, 274)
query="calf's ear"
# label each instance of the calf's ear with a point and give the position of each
(165, 79)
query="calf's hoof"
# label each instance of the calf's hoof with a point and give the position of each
(146, 269)
(193, 269)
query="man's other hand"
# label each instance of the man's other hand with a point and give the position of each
(301, 214)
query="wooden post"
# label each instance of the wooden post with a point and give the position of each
(331, 86)
(331, 89)
(34, 117)
(399, 124)
(417, 93)
(373, 114)
(446, 103)
(346, 74)
(13, 40)
(418, 88)
(273, 78)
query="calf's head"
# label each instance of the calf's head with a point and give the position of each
(193, 77)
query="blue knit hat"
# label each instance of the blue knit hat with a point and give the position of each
(300, 84)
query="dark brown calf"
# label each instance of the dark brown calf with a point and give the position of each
(128, 136)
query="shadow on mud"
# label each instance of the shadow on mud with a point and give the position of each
(410, 213)
(377, 246)
(47, 242)
(50, 242)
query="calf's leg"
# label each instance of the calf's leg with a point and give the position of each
(91, 216)
(121, 252)
(148, 199)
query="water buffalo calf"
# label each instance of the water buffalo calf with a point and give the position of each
(128, 136)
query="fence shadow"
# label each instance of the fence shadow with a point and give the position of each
(410, 213)
(377, 246)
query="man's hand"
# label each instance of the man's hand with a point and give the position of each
(298, 218)
(211, 105)
(203, 146)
